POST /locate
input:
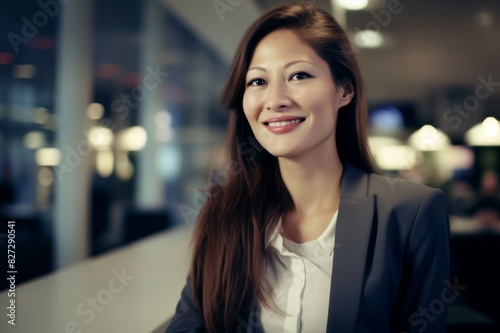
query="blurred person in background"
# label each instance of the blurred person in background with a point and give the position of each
(486, 210)
(304, 236)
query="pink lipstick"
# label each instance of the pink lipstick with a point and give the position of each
(281, 125)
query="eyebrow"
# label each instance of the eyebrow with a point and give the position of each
(262, 69)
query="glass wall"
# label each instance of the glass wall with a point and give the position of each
(188, 124)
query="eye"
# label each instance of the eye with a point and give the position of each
(256, 82)
(300, 76)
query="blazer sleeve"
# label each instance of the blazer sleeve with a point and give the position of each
(187, 317)
(426, 269)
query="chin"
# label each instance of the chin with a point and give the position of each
(282, 153)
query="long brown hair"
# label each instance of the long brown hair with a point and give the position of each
(229, 240)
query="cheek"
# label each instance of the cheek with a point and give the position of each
(311, 96)
(250, 107)
(322, 100)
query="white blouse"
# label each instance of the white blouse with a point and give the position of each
(300, 277)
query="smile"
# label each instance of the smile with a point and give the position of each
(283, 126)
(283, 123)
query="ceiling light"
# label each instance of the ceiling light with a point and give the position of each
(101, 138)
(486, 133)
(124, 168)
(105, 161)
(490, 126)
(429, 138)
(95, 111)
(47, 156)
(132, 138)
(455, 158)
(34, 140)
(399, 157)
(377, 142)
(353, 4)
(368, 39)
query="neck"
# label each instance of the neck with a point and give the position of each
(314, 184)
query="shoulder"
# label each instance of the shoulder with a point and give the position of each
(391, 194)
(417, 211)
(403, 194)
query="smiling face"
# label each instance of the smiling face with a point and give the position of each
(291, 100)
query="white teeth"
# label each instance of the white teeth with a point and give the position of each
(284, 123)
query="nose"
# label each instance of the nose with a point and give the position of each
(278, 98)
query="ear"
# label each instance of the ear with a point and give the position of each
(346, 92)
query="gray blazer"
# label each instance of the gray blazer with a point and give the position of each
(391, 261)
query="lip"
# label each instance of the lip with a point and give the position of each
(281, 129)
(282, 118)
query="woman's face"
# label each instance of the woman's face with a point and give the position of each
(291, 100)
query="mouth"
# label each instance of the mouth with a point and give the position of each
(281, 123)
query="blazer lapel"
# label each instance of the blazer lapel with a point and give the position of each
(352, 236)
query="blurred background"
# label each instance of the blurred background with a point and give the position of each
(110, 119)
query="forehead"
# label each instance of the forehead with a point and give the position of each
(282, 45)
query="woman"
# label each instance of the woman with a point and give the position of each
(303, 236)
